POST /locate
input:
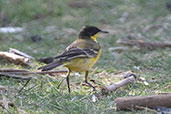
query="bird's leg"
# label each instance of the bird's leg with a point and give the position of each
(86, 80)
(67, 79)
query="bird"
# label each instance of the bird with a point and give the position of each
(80, 55)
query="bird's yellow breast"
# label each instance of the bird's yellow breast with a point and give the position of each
(82, 64)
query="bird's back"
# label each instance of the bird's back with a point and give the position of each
(82, 64)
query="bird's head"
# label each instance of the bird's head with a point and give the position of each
(90, 32)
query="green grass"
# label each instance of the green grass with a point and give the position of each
(58, 25)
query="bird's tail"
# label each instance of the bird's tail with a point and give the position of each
(50, 66)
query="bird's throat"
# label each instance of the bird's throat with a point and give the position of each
(94, 37)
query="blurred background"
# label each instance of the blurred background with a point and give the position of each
(47, 27)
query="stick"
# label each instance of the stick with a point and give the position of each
(142, 44)
(128, 103)
(44, 72)
(13, 70)
(146, 108)
(15, 76)
(25, 72)
(24, 85)
(29, 73)
(16, 59)
(17, 52)
(113, 87)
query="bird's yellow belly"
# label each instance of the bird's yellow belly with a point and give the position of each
(82, 64)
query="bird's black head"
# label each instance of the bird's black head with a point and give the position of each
(90, 31)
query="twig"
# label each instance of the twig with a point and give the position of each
(142, 44)
(17, 52)
(13, 70)
(25, 72)
(24, 85)
(43, 72)
(146, 108)
(130, 78)
(15, 76)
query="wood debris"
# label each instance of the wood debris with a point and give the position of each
(15, 56)
(17, 52)
(142, 44)
(9, 75)
(16, 59)
(129, 78)
(129, 103)
(26, 72)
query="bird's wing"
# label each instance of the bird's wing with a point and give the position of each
(76, 52)
(69, 54)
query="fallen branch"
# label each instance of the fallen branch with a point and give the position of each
(16, 59)
(129, 103)
(142, 44)
(15, 76)
(130, 77)
(26, 72)
(13, 70)
(17, 52)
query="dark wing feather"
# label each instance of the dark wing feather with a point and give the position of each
(76, 52)
(50, 66)
(69, 55)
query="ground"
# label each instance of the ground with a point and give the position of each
(58, 23)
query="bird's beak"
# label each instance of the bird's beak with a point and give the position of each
(104, 31)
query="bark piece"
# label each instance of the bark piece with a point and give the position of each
(129, 103)
(16, 59)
